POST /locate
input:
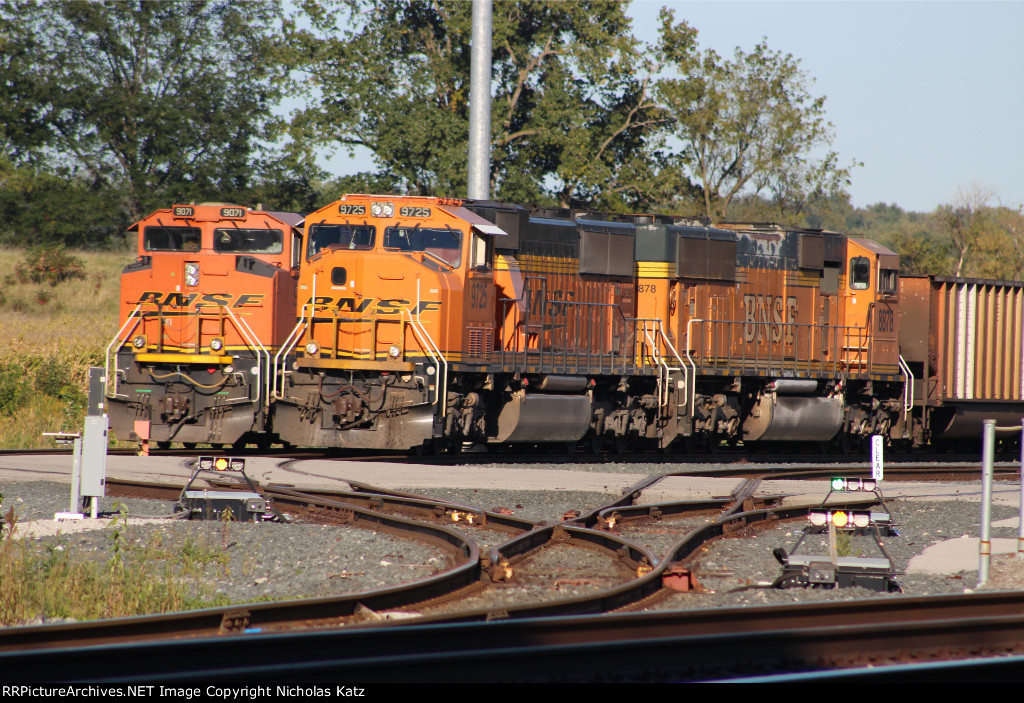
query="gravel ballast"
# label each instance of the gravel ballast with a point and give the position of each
(247, 562)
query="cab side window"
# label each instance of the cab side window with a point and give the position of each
(860, 273)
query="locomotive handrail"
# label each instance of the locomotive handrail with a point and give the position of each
(693, 389)
(431, 348)
(908, 387)
(660, 331)
(291, 340)
(118, 338)
(137, 315)
(250, 338)
(521, 319)
(289, 343)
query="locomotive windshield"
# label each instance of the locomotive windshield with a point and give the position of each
(446, 244)
(339, 236)
(171, 238)
(248, 241)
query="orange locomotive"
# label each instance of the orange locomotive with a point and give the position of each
(205, 307)
(433, 322)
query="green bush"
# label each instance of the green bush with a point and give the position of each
(49, 264)
(14, 390)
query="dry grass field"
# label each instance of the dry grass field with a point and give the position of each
(49, 337)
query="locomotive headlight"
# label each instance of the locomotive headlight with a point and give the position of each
(216, 344)
(312, 348)
(382, 209)
(139, 342)
(430, 370)
(394, 351)
(191, 274)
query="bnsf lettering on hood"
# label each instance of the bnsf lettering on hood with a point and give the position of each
(387, 306)
(187, 300)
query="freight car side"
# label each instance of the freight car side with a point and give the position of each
(964, 342)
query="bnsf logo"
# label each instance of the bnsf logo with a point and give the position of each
(186, 300)
(389, 306)
(765, 315)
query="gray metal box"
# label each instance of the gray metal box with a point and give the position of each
(94, 456)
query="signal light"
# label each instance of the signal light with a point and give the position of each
(220, 463)
(841, 483)
(842, 519)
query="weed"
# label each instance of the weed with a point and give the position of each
(119, 543)
(845, 546)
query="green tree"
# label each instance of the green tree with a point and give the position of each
(750, 125)
(966, 222)
(150, 101)
(573, 114)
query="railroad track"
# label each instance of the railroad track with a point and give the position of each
(476, 570)
(667, 646)
(641, 573)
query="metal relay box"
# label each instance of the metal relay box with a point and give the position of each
(225, 505)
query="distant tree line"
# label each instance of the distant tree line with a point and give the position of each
(109, 110)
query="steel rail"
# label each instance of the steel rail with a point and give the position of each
(257, 617)
(656, 646)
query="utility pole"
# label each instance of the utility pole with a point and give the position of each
(479, 171)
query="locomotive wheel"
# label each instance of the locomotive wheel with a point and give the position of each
(163, 445)
(689, 444)
(622, 444)
(712, 441)
(190, 445)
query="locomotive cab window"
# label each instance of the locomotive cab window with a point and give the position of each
(171, 238)
(860, 273)
(481, 250)
(445, 244)
(887, 281)
(340, 237)
(248, 241)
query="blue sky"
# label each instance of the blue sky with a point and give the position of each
(928, 95)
